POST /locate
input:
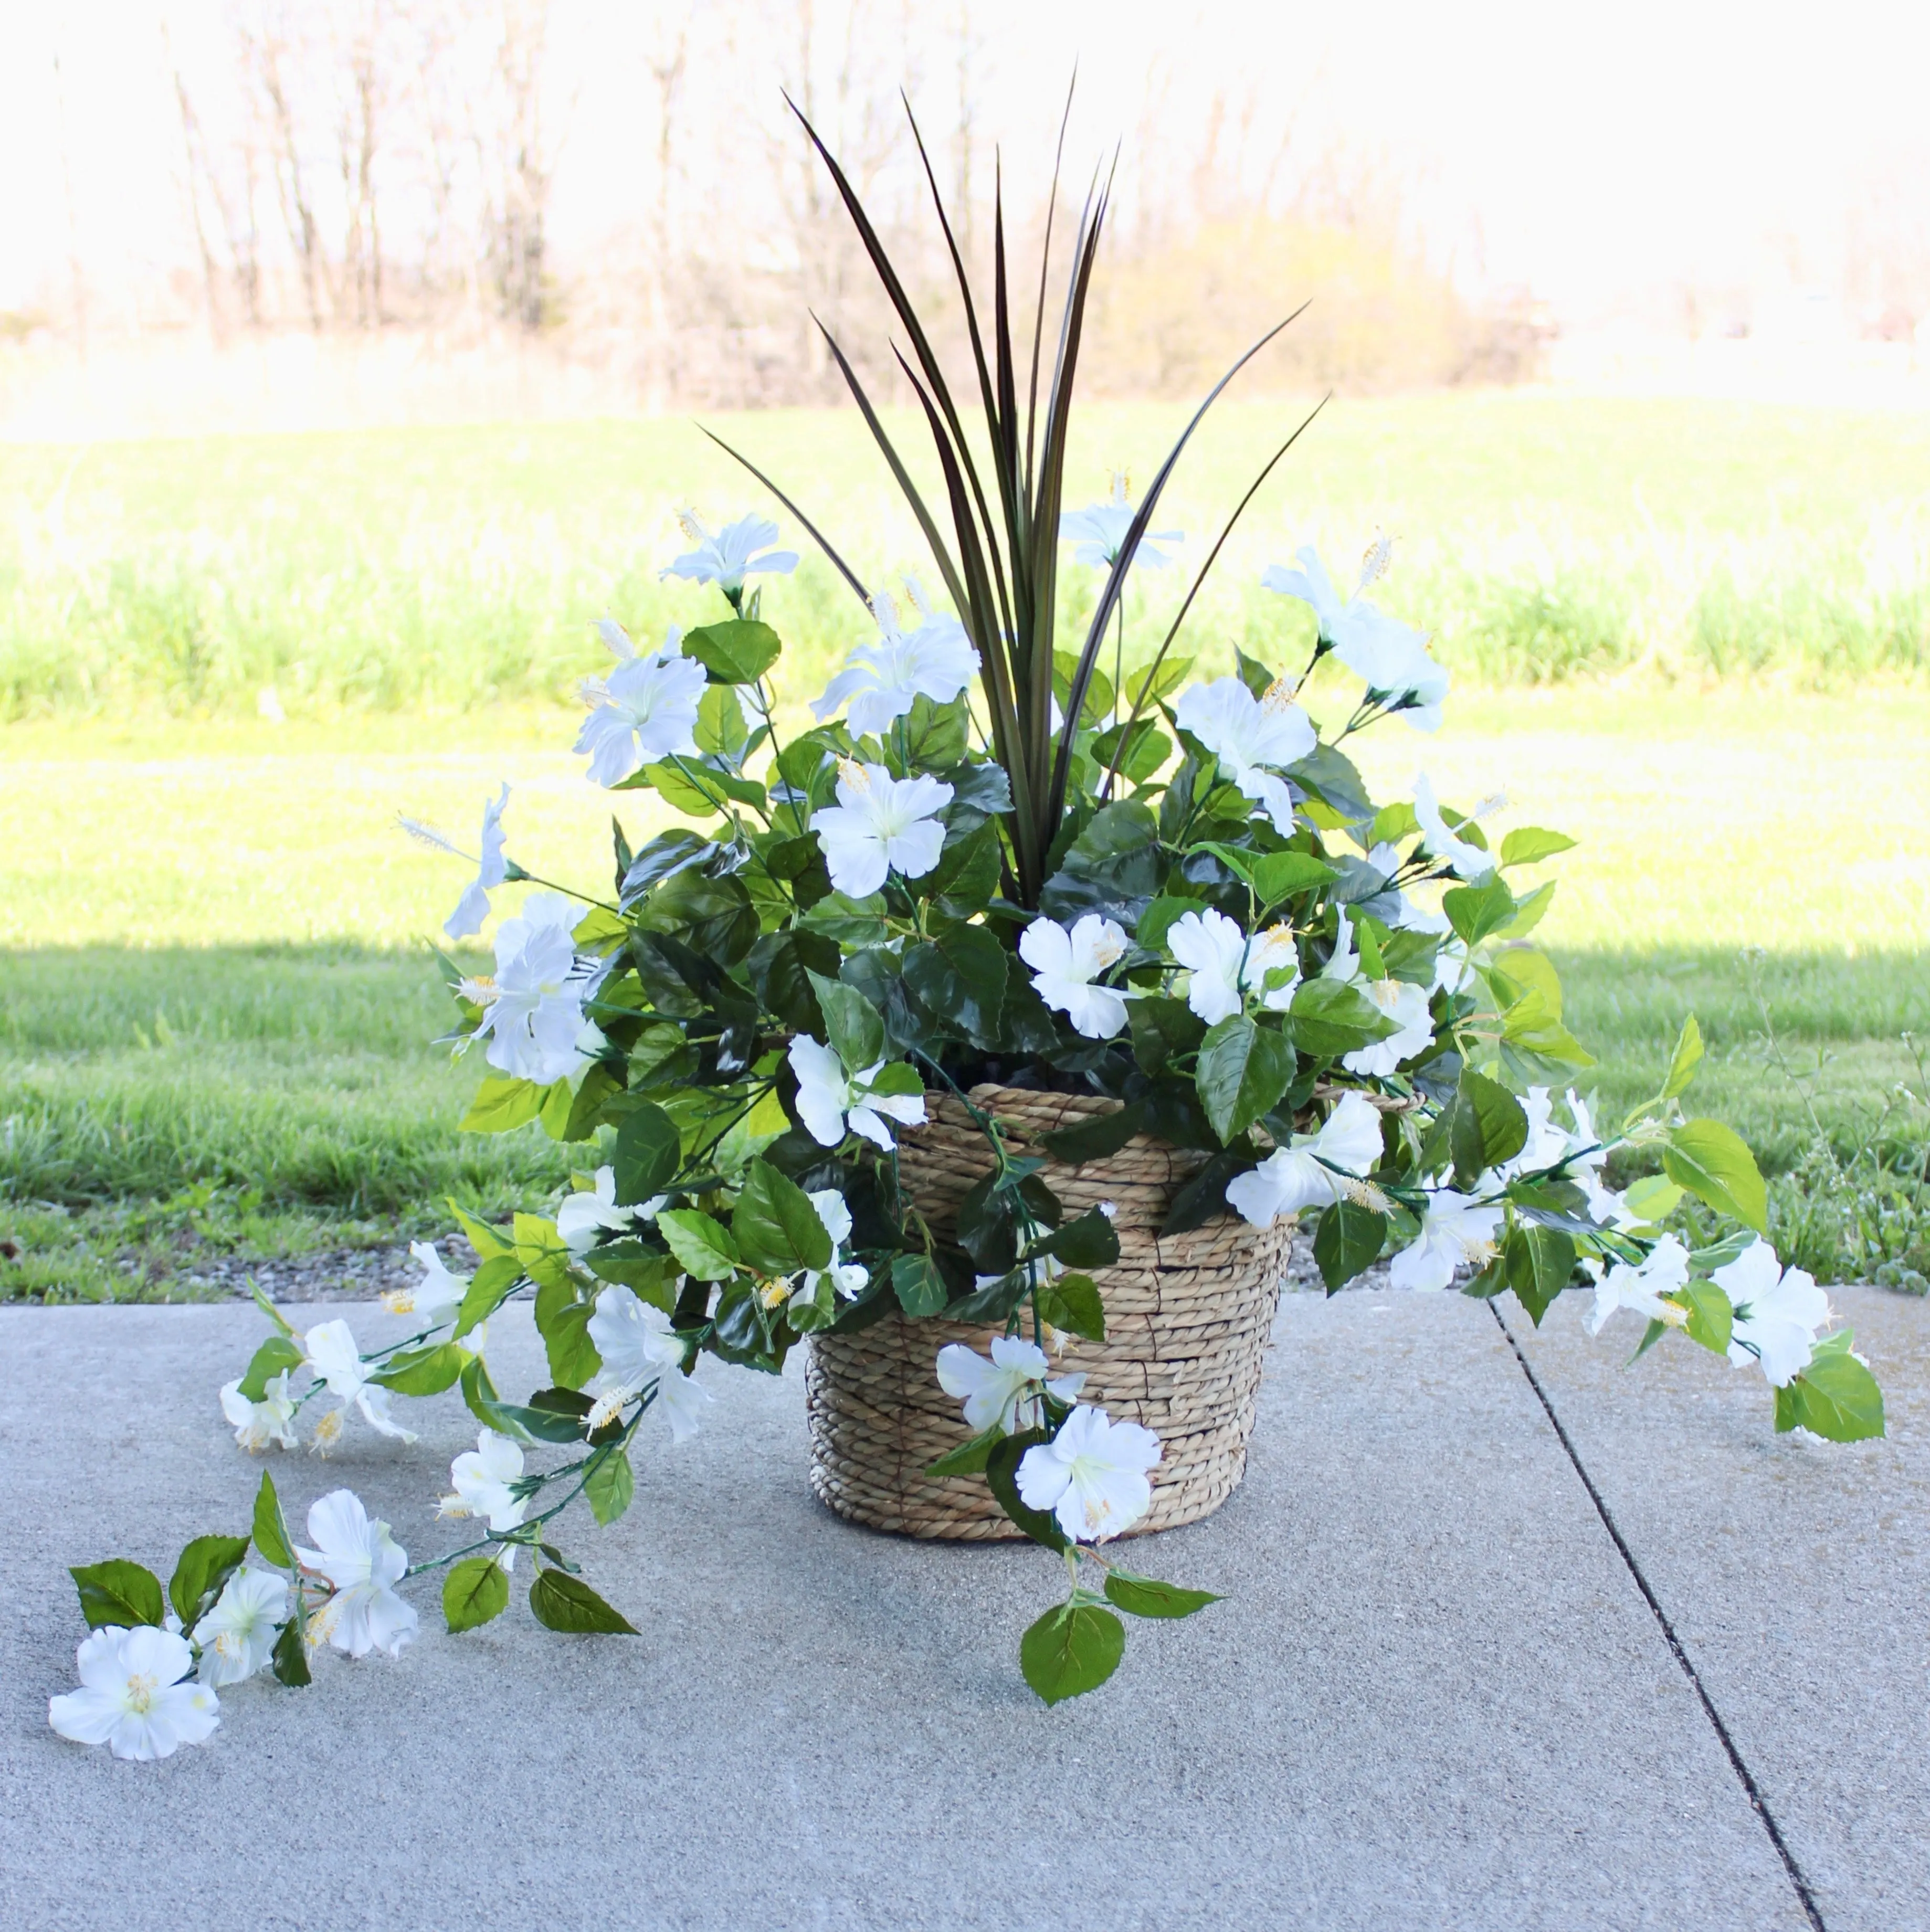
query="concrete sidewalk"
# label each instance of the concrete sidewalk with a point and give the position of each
(1436, 1697)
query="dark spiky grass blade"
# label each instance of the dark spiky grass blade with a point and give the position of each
(1151, 671)
(1115, 579)
(817, 536)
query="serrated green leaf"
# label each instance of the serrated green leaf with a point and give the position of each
(775, 1228)
(1347, 1240)
(1073, 1303)
(1244, 1068)
(1484, 1124)
(1538, 1262)
(853, 1025)
(202, 1573)
(920, 1288)
(968, 1458)
(1089, 1242)
(1835, 1396)
(1477, 911)
(276, 1355)
(704, 1247)
(1097, 1137)
(961, 976)
(119, 1592)
(483, 1238)
(503, 1103)
(1715, 1164)
(1001, 1477)
(1331, 1017)
(474, 1591)
(1711, 1318)
(647, 1154)
(1685, 1060)
(609, 1485)
(1529, 844)
(289, 1658)
(561, 1602)
(1653, 1198)
(738, 651)
(1145, 1597)
(270, 1530)
(425, 1371)
(491, 1284)
(1071, 1650)
(1281, 875)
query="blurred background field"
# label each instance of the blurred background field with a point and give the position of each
(1542, 536)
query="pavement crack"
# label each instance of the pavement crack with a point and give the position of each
(1805, 1896)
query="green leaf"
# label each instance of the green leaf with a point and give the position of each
(1147, 748)
(738, 651)
(1538, 1262)
(1529, 912)
(564, 1322)
(968, 1458)
(1114, 866)
(1714, 1164)
(200, 1576)
(1142, 1597)
(1484, 1125)
(561, 1602)
(1072, 1302)
(937, 736)
(119, 1592)
(853, 1025)
(271, 1532)
(1244, 1069)
(491, 1284)
(699, 789)
(1711, 1317)
(1071, 1650)
(1281, 875)
(776, 1229)
(919, 1287)
(289, 1658)
(274, 1356)
(1161, 915)
(1163, 1030)
(479, 1392)
(1653, 1198)
(1835, 1396)
(1347, 1240)
(483, 1238)
(1529, 844)
(1089, 1242)
(609, 1485)
(1097, 1137)
(1001, 1477)
(1330, 1017)
(647, 1154)
(473, 1592)
(1477, 912)
(425, 1371)
(1684, 1061)
(961, 976)
(703, 1247)
(502, 1103)
(720, 721)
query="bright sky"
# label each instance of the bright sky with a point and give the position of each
(1587, 151)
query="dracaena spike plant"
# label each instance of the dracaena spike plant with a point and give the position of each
(1179, 895)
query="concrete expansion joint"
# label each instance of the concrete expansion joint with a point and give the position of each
(1752, 1790)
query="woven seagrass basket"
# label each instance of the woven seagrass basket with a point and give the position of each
(1187, 1319)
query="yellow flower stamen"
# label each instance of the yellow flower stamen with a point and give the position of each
(328, 1432)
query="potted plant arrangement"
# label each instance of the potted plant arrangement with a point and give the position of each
(986, 1039)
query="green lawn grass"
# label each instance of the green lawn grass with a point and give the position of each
(450, 568)
(218, 995)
